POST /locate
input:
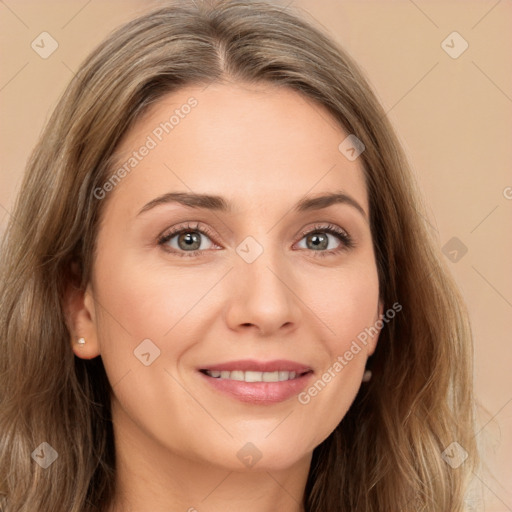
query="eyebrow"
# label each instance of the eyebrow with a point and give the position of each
(220, 204)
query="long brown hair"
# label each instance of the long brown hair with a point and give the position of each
(386, 454)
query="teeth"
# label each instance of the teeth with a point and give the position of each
(270, 376)
(237, 375)
(251, 376)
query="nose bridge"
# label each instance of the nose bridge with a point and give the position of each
(263, 285)
(259, 264)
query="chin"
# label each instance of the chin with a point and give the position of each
(261, 456)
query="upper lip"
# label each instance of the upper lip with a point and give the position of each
(259, 366)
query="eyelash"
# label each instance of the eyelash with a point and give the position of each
(346, 240)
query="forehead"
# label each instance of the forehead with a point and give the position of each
(249, 143)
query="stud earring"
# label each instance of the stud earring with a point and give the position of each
(367, 376)
(81, 341)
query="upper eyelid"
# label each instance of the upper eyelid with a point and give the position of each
(180, 228)
(318, 226)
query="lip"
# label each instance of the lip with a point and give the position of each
(259, 393)
(247, 365)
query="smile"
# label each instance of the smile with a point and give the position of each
(253, 376)
(257, 382)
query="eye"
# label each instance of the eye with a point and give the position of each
(318, 240)
(186, 240)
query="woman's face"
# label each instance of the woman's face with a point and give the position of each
(257, 284)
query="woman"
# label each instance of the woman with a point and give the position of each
(218, 290)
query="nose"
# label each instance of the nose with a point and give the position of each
(264, 295)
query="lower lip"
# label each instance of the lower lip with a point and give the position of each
(262, 393)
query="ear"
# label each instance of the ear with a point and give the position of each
(380, 310)
(372, 342)
(80, 317)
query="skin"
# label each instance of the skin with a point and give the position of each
(177, 438)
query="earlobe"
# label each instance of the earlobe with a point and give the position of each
(79, 313)
(381, 309)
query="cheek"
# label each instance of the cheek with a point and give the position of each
(142, 301)
(136, 303)
(346, 301)
(145, 300)
(347, 305)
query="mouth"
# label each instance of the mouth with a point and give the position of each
(255, 376)
(257, 382)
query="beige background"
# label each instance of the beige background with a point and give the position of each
(453, 117)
